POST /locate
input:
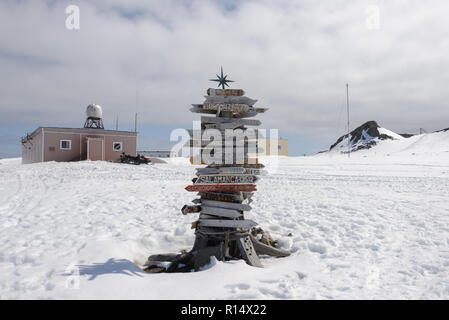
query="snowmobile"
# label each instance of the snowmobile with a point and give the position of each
(126, 158)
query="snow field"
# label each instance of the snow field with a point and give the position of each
(359, 228)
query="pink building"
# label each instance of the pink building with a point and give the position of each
(65, 144)
(74, 144)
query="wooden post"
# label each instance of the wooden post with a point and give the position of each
(225, 188)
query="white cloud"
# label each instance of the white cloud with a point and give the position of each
(294, 57)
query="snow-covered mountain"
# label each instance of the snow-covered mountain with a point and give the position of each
(364, 137)
(372, 139)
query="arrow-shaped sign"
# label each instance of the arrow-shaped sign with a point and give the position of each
(227, 205)
(244, 224)
(226, 178)
(238, 122)
(230, 99)
(221, 212)
(219, 197)
(221, 187)
(216, 170)
(225, 92)
(190, 209)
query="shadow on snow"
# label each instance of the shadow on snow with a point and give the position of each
(112, 266)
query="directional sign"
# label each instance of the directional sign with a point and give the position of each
(254, 165)
(237, 112)
(196, 161)
(226, 179)
(201, 110)
(221, 187)
(190, 209)
(231, 107)
(236, 124)
(220, 196)
(230, 99)
(205, 143)
(255, 172)
(226, 92)
(214, 232)
(244, 224)
(221, 212)
(247, 195)
(227, 205)
(248, 114)
(241, 122)
(211, 132)
(207, 216)
(224, 199)
(242, 152)
(223, 126)
(233, 170)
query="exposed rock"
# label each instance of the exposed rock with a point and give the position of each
(363, 137)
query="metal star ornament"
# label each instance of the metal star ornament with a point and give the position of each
(222, 81)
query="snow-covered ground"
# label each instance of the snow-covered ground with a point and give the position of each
(426, 146)
(361, 228)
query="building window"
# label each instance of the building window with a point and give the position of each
(65, 144)
(279, 147)
(117, 146)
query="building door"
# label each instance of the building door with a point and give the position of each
(95, 149)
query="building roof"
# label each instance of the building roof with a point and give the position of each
(93, 130)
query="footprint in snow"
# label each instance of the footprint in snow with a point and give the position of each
(238, 286)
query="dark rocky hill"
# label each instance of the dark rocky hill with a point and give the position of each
(362, 137)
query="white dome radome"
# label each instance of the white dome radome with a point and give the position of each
(94, 111)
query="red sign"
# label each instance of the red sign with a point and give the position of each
(221, 187)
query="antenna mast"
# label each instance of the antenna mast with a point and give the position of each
(347, 107)
(135, 116)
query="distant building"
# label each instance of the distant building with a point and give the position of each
(281, 145)
(158, 154)
(92, 142)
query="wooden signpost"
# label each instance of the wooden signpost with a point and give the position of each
(238, 122)
(242, 224)
(221, 212)
(225, 92)
(190, 209)
(226, 179)
(230, 99)
(227, 205)
(217, 170)
(219, 196)
(210, 144)
(224, 187)
(201, 110)
(255, 172)
(231, 107)
(196, 161)
(221, 187)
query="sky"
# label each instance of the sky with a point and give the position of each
(156, 57)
